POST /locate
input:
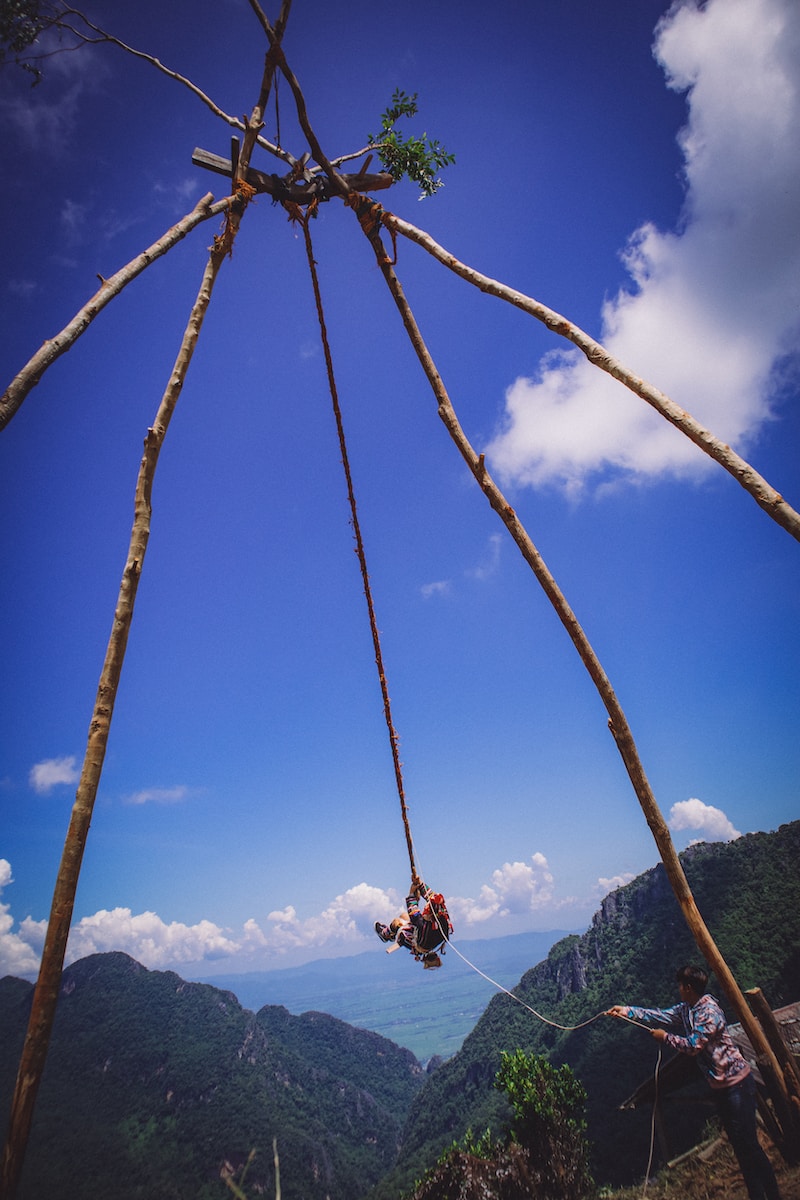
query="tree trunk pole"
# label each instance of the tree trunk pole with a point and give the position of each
(46, 991)
(45, 996)
(617, 723)
(53, 348)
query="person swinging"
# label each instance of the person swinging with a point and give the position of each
(422, 933)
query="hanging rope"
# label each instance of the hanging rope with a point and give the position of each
(387, 708)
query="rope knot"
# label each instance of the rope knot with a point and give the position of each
(275, 56)
(371, 215)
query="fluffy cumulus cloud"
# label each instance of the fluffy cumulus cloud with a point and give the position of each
(53, 772)
(155, 943)
(712, 306)
(344, 921)
(17, 955)
(345, 925)
(711, 822)
(515, 888)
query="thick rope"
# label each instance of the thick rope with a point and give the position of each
(387, 708)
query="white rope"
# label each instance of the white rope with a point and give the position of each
(538, 1015)
(653, 1119)
(569, 1029)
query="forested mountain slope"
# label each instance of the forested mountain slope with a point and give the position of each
(152, 1084)
(749, 893)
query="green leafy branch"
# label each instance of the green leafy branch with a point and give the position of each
(417, 158)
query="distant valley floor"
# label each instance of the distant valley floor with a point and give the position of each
(428, 1012)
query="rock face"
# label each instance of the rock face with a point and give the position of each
(154, 1085)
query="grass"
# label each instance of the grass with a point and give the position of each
(713, 1176)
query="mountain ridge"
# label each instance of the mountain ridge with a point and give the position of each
(153, 1082)
(749, 893)
(373, 992)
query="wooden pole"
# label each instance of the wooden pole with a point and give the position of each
(617, 723)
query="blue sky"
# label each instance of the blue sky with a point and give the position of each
(632, 167)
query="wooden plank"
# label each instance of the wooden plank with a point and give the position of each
(772, 1031)
(298, 193)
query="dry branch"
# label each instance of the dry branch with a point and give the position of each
(53, 348)
(762, 492)
(104, 36)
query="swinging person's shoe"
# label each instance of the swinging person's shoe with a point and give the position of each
(383, 932)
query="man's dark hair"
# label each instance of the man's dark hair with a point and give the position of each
(696, 978)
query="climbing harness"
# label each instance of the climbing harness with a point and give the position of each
(437, 921)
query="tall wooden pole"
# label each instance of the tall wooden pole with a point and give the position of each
(618, 723)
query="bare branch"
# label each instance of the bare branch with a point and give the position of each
(233, 122)
(343, 158)
(53, 348)
(277, 55)
(262, 18)
(276, 34)
(256, 120)
(762, 492)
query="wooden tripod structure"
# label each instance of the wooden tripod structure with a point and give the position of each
(313, 179)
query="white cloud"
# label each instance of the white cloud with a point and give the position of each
(345, 925)
(604, 886)
(172, 795)
(47, 115)
(52, 772)
(23, 289)
(484, 569)
(713, 305)
(515, 888)
(147, 938)
(694, 814)
(491, 560)
(181, 192)
(441, 587)
(349, 918)
(16, 955)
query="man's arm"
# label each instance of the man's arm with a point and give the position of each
(657, 1019)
